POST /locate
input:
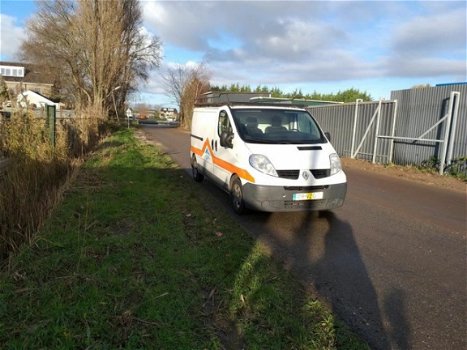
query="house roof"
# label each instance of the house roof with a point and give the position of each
(32, 73)
(30, 92)
(39, 98)
(14, 64)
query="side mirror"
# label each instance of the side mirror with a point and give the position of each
(328, 135)
(226, 139)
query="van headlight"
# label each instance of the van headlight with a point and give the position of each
(262, 163)
(335, 163)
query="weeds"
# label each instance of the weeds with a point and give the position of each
(37, 170)
(457, 168)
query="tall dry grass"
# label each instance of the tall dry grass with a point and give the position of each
(37, 171)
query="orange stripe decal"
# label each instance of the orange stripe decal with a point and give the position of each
(196, 151)
(244, 174)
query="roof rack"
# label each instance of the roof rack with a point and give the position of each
(293, 101)
(226, 97)
(256, 104)
(216, 99)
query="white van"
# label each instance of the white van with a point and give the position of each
(268, 157)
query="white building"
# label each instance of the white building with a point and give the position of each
(29, 98)
(169, 113)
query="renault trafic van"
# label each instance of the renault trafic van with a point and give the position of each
(268, 157)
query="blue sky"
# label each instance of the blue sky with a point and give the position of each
(324, 46)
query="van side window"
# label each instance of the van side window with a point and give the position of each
(224, 123)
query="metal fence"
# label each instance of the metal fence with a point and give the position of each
(351, 130)
(421, 108)
(76, 134)
(38, 112)
(408, 129)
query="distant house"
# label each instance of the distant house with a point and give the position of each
(21, 77)
(31, 98)
(168, 113)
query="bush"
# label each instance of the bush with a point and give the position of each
(37, 171)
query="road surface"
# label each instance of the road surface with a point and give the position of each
(391, 262)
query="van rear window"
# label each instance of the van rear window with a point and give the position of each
(277, 126)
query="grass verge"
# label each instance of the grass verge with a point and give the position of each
(132, 259)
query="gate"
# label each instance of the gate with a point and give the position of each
(352, 127)
(448, 137)
(371, 130)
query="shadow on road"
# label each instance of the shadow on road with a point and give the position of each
(321, 251)
(395, 309)
(347, 284)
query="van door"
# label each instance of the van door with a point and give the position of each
(224, 158)
(202, 127)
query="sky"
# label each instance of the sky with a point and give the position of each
(323, 46)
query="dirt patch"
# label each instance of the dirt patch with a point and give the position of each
(409, 173)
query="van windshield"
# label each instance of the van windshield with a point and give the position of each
(277, 126)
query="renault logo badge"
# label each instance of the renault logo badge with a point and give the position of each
(305, 175)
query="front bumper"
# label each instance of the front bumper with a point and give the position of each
(280, 198)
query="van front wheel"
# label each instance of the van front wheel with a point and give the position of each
(236, 196)
(197, 176)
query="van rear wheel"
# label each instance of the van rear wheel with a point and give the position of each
(197, 176)
(236, 196)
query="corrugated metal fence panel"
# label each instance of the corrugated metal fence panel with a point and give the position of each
(460, 143)
(387, 117)
(418, 110)
(339, 121)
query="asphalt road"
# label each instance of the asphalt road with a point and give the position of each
(391, 262)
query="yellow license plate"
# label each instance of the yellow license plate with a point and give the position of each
(307, 196)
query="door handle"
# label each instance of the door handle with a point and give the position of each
(215, 145)
(212, 144)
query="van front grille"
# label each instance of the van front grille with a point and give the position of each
(288, 174)
(293, 174)
(320, 173)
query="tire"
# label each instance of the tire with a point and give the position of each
(197, 176)
(236, 196)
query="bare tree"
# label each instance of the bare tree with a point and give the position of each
(144, 110)
(185, 84)
(97, 46)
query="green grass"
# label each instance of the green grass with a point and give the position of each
(131, 259)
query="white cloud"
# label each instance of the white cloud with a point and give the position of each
(426, 67)
(430, 45)
(298, 41)
(432, 35)
(179, 23)
(273, 42)
(11, 36)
